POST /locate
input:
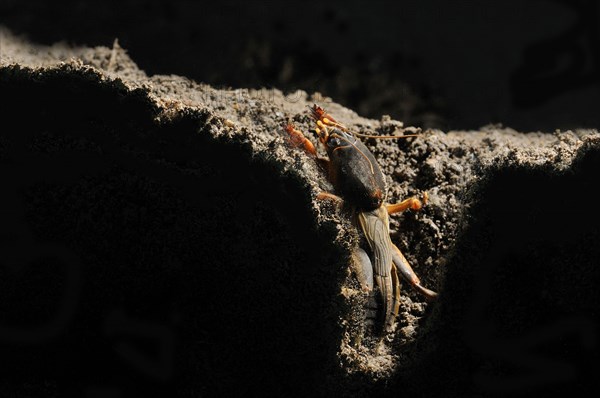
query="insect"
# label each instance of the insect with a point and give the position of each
(359, 184)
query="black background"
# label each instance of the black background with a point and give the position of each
(530, 65)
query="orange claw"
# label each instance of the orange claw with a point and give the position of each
(320, 115)
(410, 203)
(297, 139)
(416, 205)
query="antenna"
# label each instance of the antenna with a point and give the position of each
(384, 137)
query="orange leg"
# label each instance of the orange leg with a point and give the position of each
(326, 122)
(336, 200)
(329, 196)
(324, 118)
(409, 275)
(410, 203)
(297, 139)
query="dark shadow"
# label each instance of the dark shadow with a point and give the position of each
(151, 260)
(518, 315)
(556, 65)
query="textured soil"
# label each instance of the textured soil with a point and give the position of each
(160, 237)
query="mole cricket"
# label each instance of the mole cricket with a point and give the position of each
(359, 184)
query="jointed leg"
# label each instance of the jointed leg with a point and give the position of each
(296, 138)
(336, 200)
(410, 203)
(409, 275)
(324, 119)
(329, 196)
(396, 298)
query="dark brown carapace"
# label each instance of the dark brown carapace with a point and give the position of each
(351, 168)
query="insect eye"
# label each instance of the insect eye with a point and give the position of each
(334, 142)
